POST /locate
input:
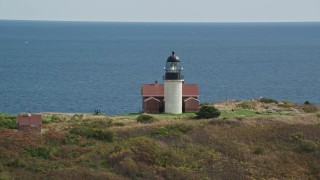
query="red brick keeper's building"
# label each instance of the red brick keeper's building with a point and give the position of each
(153, 98)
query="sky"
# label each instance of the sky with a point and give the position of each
(162, 10)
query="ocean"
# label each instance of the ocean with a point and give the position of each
(83, 66)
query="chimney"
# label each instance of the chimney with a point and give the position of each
(156, 82)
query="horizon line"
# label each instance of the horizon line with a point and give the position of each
(105, 21)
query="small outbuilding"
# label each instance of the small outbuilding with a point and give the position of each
(29, 123)
(190, 104)
(151, 105)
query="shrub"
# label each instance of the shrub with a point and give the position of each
(297, 136)
(18, 162)
(105, 135)
(44, 152)
(98, 124)
(128, 167)
(308, 146)
(144, 149)
(172, 130)
(57, 118)
(258, 150)
(145, 118)
(8, 121)
(46, 120)
(307, 102)
(72, 139)
(206, 112)
(268, 100)
(77, 117)
(245, 106)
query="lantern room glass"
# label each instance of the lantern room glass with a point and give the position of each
(173, 67)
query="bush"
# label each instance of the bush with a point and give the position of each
(57, 118)
(44, 152)
(258, 150)
(8, 121)
(307, 103)
(128, 167)
(308, 146)
(207, 112)
(268, 100)
(145, 118)
(18, 162)
(144, 149)
(245, 106)
(77, 117)
(172, 130)
(105, 135)
(46, 121)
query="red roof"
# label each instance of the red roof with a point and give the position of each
(157, 90)
(29, 120)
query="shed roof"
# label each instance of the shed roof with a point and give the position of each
(29, 120)
(191, 98)
(151, 98)
(157, 90)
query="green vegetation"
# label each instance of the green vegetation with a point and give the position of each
(259, 150)
(307, 102)
(310, 108)
(238, 113)
(8, 121)
(240, 144)
(104, 135)
(57, 118)
(172, 130)
(144, 118)
(308, 146)
(246, 105)
(206, 112)
(268, 100)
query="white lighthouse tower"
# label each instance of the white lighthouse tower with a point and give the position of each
(173, 81)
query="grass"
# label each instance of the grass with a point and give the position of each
(260, 146)
(161, 115)
(237, 113)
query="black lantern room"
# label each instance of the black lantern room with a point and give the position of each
(173, 68)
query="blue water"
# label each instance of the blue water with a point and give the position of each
(82, 66)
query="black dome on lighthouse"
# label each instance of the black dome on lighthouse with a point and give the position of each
(173, 58)
(173, 68)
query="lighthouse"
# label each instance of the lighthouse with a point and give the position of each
(173, 96)
(173, 81)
